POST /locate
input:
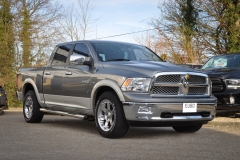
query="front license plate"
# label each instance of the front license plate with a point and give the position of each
(189, 107)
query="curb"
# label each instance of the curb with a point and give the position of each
(233, 121)
(14, 110)
(220, 123)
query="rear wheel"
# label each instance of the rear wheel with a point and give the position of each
(187, 129)
(109, 116)
(31, 108)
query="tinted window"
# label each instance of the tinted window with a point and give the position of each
(60, 57)
(124, 52)
(82, 49)
(225, 61)
(80, 53)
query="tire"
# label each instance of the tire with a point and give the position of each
(109, 116)
(31, 108)
(187, 129)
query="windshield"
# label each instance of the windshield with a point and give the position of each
(124, 52)
(225, 61)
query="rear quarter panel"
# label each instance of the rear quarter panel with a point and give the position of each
(30, 75)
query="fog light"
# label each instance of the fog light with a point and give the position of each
(145, 110)
(232, 100)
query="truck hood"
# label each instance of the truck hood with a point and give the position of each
(145, 68)
(225, 73)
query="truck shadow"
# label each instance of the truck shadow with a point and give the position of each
(85, 126)
(60, 137)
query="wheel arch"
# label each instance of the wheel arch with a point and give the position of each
(103, 86)
(29, 84)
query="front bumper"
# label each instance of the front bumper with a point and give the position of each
(169, 112)
(228, 108)
(224, 104)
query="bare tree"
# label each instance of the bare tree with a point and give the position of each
(219, 25)
(157, 41)
(35, 29)
(77, 21)
(178, 25)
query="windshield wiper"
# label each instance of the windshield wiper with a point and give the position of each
(118, 60)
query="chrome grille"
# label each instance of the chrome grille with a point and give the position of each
(197, 90)
(197, 80)
(165, 90)
(168, 79)
(180, 83)
(218, 84)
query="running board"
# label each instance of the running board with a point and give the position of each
(64, 113)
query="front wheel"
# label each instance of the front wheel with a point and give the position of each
(31, 108)
(187, 129)
(109, 115)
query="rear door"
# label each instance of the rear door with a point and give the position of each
(53, 77)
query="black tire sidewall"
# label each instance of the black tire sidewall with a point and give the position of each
(37, 115)
(187, 129)
(121, 126)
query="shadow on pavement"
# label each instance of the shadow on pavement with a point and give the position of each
(59, 137)
(1, 112)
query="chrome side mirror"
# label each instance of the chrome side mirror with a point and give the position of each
(77, 59)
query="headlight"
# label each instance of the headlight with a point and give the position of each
(136, 84)
(233, 83)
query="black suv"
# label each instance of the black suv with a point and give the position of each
(3, 99)
(224, 72)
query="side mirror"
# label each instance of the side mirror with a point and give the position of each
(77, 59)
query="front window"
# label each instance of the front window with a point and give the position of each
(225, 61)
(124, 52)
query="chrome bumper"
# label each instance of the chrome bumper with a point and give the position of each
(174, 109)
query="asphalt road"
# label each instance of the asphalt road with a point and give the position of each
(59, 137)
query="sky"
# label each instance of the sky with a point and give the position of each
(120, 17)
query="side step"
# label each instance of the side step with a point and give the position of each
(64, 113)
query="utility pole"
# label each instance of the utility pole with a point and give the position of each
(96, 32)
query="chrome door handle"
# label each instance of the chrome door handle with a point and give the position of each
(68, 73)
(47, 73)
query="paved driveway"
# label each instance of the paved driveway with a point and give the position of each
(59, 137)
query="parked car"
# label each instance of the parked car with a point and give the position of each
(118, 84)
(3, 99)
(224, 72)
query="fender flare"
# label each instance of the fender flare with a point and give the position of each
(107, 83)
(27, 81)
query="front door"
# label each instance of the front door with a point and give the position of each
(77, 84)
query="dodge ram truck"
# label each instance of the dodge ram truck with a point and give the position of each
(116, 84)
(224, 72)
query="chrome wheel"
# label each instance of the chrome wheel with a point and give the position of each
(28, 107)
(106, 115)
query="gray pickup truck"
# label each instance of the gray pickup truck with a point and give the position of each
(117, 84)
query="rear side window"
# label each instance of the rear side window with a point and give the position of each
(60, 57)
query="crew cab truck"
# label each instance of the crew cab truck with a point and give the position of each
(117, 84)
(224, 72)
